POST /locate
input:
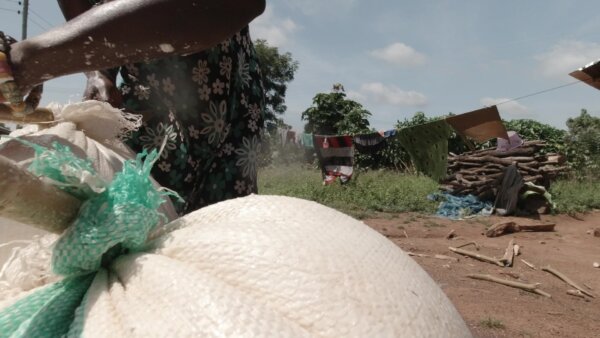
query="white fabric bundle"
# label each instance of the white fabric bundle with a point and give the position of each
(268, 266)
(92, 130)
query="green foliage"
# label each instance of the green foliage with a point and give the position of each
(365, 194)
(534, 130)
(334, 114)
(583, 143)
(573, 196)
(277, 70)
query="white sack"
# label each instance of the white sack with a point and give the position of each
(269, 266)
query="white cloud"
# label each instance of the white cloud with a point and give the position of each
(380, 93)
(512, 108)
(276, 31)
(399, 54)
(566, 56)
(356, 96)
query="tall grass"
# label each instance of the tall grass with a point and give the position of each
(573, 196)
(365, 194)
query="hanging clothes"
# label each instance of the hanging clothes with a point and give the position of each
(508, 194)
(480, 125)
(369, 143)
(307, 141)
(390, 133)
(336, 157)
(290, 137)
(427, 145)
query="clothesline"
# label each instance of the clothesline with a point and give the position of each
(580, 80)
(427, 144)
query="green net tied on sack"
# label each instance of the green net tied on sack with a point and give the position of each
(115, 218)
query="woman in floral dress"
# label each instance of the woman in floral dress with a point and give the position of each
(209, 106)
(190, 70)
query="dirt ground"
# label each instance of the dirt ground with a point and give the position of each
(494, 310)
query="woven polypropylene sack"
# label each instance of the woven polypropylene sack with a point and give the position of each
(267, 266)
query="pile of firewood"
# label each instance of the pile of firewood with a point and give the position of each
(480, 172)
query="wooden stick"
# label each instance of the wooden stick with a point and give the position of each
(450, 234)
(405, 234)
(527, 287)
(566, 280)
(418, 255)
(517, 249)
(575, 293)
(508, 254)
(529, 264)
(477, 256)
(470, 243)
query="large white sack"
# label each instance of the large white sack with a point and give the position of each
(268, 266)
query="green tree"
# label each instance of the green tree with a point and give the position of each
(333, 114)
(278, 70)
(584, 131)
(583, 143)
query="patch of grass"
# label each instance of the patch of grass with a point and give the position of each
(575, 196)
(491, 323)
(366, 194)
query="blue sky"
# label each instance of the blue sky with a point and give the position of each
(399, 57)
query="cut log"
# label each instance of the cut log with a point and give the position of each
(503, 228)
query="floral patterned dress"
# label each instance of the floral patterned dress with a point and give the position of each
(209, 107)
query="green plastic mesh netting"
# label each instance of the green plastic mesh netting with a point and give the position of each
(111, 222)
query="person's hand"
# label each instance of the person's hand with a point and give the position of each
(101, 86)
(11, 95)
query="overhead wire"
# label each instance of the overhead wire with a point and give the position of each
(38, 24)
(541, 92)
(9, 10)
(41, 17)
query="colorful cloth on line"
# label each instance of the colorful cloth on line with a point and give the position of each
(336, 157)
(480, 125)
(307, 141)
(389, 133)
(369, 143)
(427, 145)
